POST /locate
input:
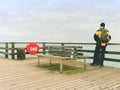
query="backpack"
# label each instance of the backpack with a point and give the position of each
(104, 36)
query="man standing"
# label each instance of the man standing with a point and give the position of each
(102, 37)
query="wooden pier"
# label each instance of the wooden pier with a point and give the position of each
(25, 75)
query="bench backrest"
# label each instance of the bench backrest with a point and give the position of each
(64, 51)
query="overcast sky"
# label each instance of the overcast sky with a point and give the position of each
(57, 20)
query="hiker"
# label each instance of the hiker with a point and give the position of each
(102, 37)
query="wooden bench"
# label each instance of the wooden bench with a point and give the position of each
(63, 53)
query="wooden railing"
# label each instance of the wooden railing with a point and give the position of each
(9, 49)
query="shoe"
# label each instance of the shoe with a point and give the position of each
(101, 65)
(93, 64)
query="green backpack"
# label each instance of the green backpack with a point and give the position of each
(104, 36)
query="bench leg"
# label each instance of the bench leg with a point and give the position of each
(61, 65)
(84, 63)
(38, 61)
(50, 59)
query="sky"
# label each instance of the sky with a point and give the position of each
(57, 20)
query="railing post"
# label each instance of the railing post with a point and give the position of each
(44, 48)
(12, 51)
(6, 50)
(75, 53)
(62, 44)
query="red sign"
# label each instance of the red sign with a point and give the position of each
(32, 48)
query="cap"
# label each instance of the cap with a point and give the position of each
(102, 24)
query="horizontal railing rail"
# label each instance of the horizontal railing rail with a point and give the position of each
(9, 49)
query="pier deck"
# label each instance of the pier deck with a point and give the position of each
(25, 75)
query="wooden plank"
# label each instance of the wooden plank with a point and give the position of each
(24, 75)
(61, 65)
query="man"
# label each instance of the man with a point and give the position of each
(101, 43)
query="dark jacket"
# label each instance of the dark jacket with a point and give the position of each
(97, 37)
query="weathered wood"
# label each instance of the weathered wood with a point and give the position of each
(38, 57)
(11, 51)
(44, 45)
(24, 75)
(21, 53)
(6, 50)
(61, 65)
(64, 52)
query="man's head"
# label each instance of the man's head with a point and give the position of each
(102, 25)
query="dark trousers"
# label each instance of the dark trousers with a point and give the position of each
(99, 54)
